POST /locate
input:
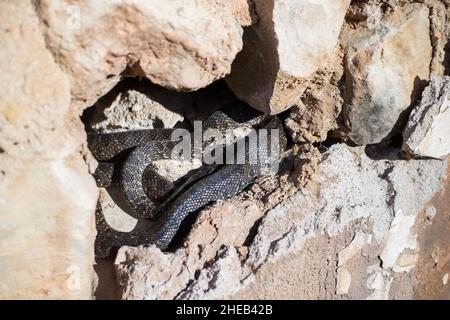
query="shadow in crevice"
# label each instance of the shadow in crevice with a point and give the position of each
(447, 59)
(386, 150)
(107, 287)
(390, 147)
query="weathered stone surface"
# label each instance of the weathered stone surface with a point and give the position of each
(433, 266)
(427, 133)
(132, 110)
(290, 42)
(96, 43)
(47, 229)
(34, 93)
(243, 11)
(47, 196)
(384, 71)
(353, 209)
(226, 224)
(315, 114)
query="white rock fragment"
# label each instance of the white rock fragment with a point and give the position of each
(344, 271)
(379, 280)
(430, 213)
(218, 280)
(400, 238)
(151, 270)
(114, 215)
(132, 110)
(445, 279)
(427, 133)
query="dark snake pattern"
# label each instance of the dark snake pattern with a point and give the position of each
(143, 187)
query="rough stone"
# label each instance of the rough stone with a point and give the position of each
(243, 11)
(47, 197)
(132, 110)
(314, 116)
(226, 224)
(34, 92)
(219, 279)
(385, 68)
(97, 43)
(427, 133)
(290, 42)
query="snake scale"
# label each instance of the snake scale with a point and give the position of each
(126, 158)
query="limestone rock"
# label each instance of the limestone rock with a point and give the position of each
(427, 133)
(148, 272)
(226, 224)
(243, 11)
(315, 114)
(47, 229)
(132, 110)
(384, 73)
(219, 279)
(47, 197)
(34, 92)
(290, 42)
(96, 43)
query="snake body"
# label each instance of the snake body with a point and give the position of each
(142, 186)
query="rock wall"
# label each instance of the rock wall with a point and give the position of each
(358, 211)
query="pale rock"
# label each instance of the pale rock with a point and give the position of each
(114, 215)
(430, 213)
(427, 133)
(384, 71)
(132, 110)
(290, 42)
(34, 92)
(380, 281)
(46, 243)
(445, 279)
(148, 273)
(218, 280)
(399, 239)
(97, 43)
(144, 273)
(47, 197)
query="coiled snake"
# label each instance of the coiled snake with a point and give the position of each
(143, 187)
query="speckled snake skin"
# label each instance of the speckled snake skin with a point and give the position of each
(143, 187)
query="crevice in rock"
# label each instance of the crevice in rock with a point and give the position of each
(447, 59)
(108, 115)
(252, 233)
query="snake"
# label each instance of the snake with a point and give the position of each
(127, 159)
